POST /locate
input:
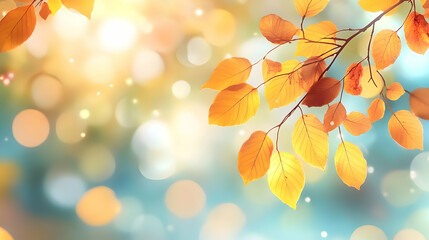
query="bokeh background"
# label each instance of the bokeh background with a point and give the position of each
(118, 109)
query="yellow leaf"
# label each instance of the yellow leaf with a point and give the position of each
(54, 5)
(334, 116)
(310, 8)
(386, 48)
(254, 157)
(351, 165)
(285, 88)
(357, 123)
(85, 7)
(229, 72)
(377, 5)
(406, 129)
(286, 178)
(318, 40)
(311, 70)
(310, 141)
(376, 110)
(270, 69)
(277, 30)
(419, 103)
(16, 27)
(394, 91)
(234, 105)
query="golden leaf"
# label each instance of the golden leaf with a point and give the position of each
(406, 129)
(351, 165)
(386, 48)
(318, 40)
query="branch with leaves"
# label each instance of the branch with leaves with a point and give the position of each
(18, 24)
(321, 43)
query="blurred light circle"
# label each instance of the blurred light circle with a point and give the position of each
(368, 232)
(148, 227)
(398, 188)
(98, 206)
(38, 42)
(46, 91)
(84, 113)
(64, 190)
(99, 110)
(30, 128)
(97, 163)
(409, 234)
(99, 68)
(69, 127)
(181, 89)
(128, 114)
(420, 171)
(199, 51)
(10, 173)
(419, 221)
(185, 199)
(117, 35)
(219, 27)
(131, 210)
(4, 235)
(369, 89)
(69, 25)
(165, 35)
(223, 222)
(147, 65)
(153, 145)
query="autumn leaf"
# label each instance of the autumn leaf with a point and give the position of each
(376, 110)
(277, 30)
(357, 123)
(419, 103)
(285, 87)
(322, 92)
(416, 33)
(352, 79)
(44, 11)
(334, 116)
(310, 141)
(394, 91)
(351, 165)
(54, 6)
(310, 8)
(425, 4)
(377, 5)
(254, 157)
(286, 178)
(386, 48)
(85, 7)
(16, 27)
(234, 105)
(311, 71)
(319, 40)
(270, 69)
(229, 72)
(406, 129)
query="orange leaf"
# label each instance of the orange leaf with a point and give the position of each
(426, 7)
(406, 129)
(350, 164)
(44, 11)
(334, 116)
(229, 72)
(310, 8)
(419, 103)
(386, 48)
(319, 40)
(270, 69)
(85, 7)
(416, 33)
(376, 110)
(357, 123)
(254, 157)
(352, 84)
(285, 88)
(322, 92)
(394, 91)
(16, 27)
(277, 30)
(311, 70)
(234, 105)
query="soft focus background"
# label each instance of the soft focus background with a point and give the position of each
(118, 109)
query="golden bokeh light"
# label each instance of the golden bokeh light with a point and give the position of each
(4, 235)
(9, 175)
(185, 199)
(46, 91)
(220, 27)
(98, 206)
(30, 128)
(69, 127)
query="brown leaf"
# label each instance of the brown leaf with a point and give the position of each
(322, 92)
(16, 27)
(419, 103)
(334, 116)
(311, 71)
(277, 30)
